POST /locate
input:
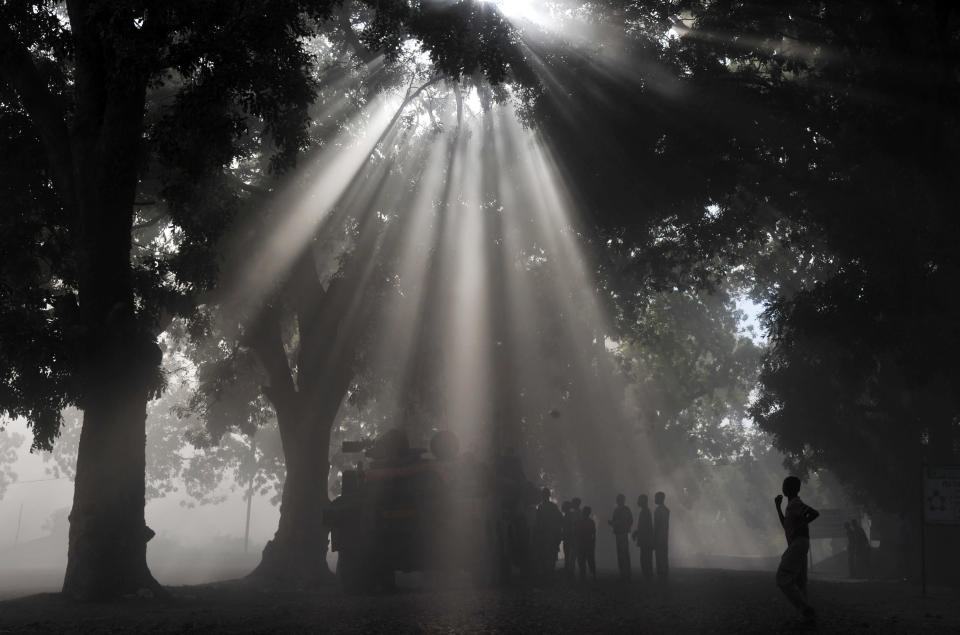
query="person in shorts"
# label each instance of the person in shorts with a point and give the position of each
(792, 572)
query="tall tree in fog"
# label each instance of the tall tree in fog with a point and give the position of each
(298, 346)
(81, 320)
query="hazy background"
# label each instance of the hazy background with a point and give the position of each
(200, 520)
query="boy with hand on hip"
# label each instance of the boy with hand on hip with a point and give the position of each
(792, 572)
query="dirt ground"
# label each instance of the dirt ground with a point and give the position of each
(695, 601)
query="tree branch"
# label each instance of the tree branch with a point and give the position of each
(406, 102)
(267, 342)
(459, 97)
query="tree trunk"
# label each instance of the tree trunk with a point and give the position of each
(107, 555)
(306, 413)
(119, 363)
(297, 554)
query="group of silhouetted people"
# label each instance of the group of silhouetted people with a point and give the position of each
(651, 536)
(579, 540)
(573, 527)
(576, 530)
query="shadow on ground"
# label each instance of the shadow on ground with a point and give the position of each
(696, 601)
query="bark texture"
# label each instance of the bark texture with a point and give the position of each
(297, 554)
(107, 554)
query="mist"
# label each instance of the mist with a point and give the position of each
(479, 316)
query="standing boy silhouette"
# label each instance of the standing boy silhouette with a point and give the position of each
(643, 535)
(621, 522)
(661, 533)
(792, 572)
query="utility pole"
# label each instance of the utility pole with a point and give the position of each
(923, 529)
(16, 538)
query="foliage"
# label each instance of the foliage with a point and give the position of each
(36, 378)
(55, 91)
(691, 373)
(9, 446)
(861, 375)
(180, 452)
(811, 144)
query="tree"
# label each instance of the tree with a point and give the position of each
(860, 376)
(811, 145)
(300, 351)
(82, 318)
(311, 333)
(276, 339)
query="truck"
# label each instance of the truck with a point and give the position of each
(404, 509)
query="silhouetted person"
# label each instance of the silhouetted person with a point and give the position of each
(852, 548)
(571, 517)
(792, 572)
(587, 544)
(661, 533)
(621, 522)
(547, 531)
(863, 549)
(506, 539)
(643, 536)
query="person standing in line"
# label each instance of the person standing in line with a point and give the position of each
(587, 545)
(792, 572)
(863, 548)
(853, 568)
(661, 531)
(621, 522)
(643, 536)
(548, 532)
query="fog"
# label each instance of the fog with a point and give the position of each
(195, 544)
(198, 508)
(386, 314)
(482, 315)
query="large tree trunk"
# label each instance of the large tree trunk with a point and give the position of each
(119, 357)
(107, 555)
(119, 370)
(297, 554)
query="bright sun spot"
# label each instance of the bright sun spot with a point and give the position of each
(532, 11)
